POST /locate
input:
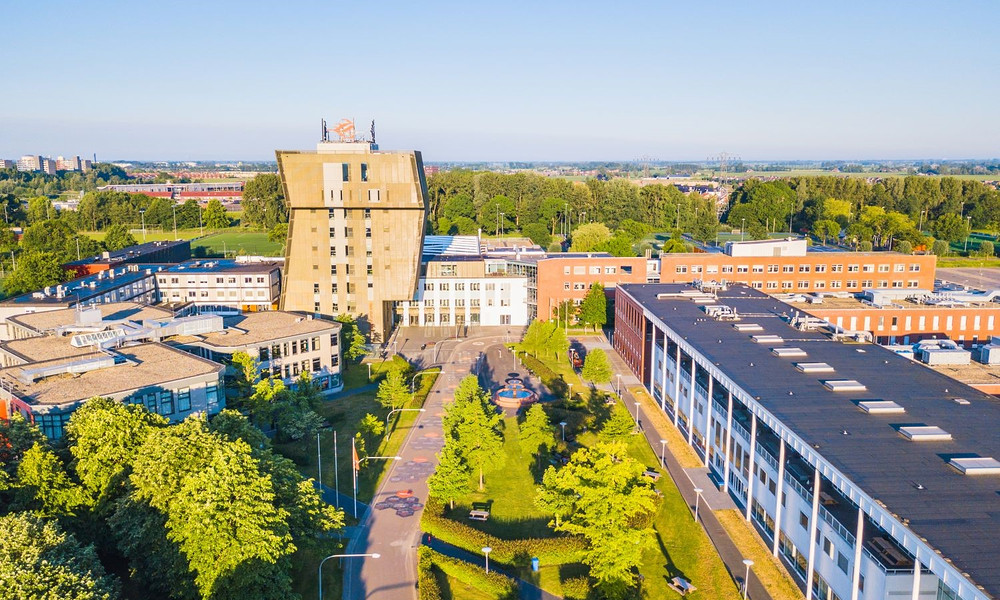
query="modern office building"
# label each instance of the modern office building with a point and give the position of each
(871, 475)
(29, 163)
(356, 224)
(775, 266)
(162, 252)
(244, 283)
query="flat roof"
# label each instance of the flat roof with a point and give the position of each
(113, 311)
(131, 252)
(254, 328)
(150, 365)
(41, 348)
(226, 265)
(853, 303)
(79, 290)
(956, 514)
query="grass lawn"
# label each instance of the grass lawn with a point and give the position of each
(454, 589)
(678, 445)
(238, 242)
(305, 561)
(944, 262)
(152, 235)
(769, 570)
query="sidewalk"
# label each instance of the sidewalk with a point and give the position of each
(686, 480)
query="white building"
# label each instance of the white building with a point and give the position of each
(249, 284)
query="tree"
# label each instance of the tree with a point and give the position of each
(675, 244)
(619, 425)
(619, 245)
(826, 228)
(40, 209)
(537, 233)
(278, 234)
(459, 205)
(605, 498)
(596, 366)
(371, 429)
(950, 227)
(118, 237)
(536, 336)
(39, 560)
(352, 342)
(392, 392)
(904, 247)
(557, 344)
(985, 249)
(215, 216)
(247, 372)
(587, 237)
(34, 271)
(43, 484)
(450, 479)
(17, 436)
(940, 248)
(594, 308)
(473, 425)
(263, 202)
(537, 434)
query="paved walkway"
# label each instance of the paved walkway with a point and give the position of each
(686, 480)
(395, 534)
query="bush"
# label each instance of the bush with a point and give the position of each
(428, 587)
(940, 248)
(904, 247)
(555, 247)
(537, 233)
(549, 551)
(576, 588)
(865, 246)
(495, 584)
(985, 249)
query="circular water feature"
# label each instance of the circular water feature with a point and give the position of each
(513, 394)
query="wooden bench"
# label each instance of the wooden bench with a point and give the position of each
(681, 586)
(652, 474)
(479, 515)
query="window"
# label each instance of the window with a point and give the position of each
(900, 268)
(835, 285)
(315, 364)
(474, 286)
(262, 353)
(490, 287)
(428, 287)
(609, 270)
(742, 268)
(681, 269)
(445, 287)
(184, 397)
(803, 520)
(167, 401)
(595, 270)
(804, 268)
(566, 285)
(772, 285)
(579, 286)
(803, 285)
(460, 287)
(566, 270)
(364, 174)
(460, 302)
(758, 268)
(883, 268)
(828, 548)
(868, 268)
(315, 343)
(727, 268)
(842, 562)
(772, 268)
(837, 268)
(914, 268)
(852, 268)
(580, 270)
(788, 269)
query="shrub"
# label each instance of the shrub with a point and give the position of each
(495, 584)
(904, 247)
(576, 588)
(428, 587)
(519, 552)
(940, 248)
(865, 246)
(985, 249)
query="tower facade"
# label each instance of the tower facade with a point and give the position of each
(355, 230)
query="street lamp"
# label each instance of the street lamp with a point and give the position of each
(968, 232)
(563, 425)
(486, 551)
(142, 213)
(570, 391)
(369, 372)
(677, 225)
(697, 501)
(619, 376)
(372, 555)
(175, 220)
(746, 577)
(743, 226)
(502, 215)
(399, 410)
(637, 414)
(201, 227)
(663, 453)
(414, 379)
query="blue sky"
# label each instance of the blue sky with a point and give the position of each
(504, 81)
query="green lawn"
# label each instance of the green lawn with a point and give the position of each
(945, 262)
(454, 589)
(238, 242)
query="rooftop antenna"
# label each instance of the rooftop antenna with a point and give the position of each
(324, 132)
(373, 131)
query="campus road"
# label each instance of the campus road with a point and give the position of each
(393, 531)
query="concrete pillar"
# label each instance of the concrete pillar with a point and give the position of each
(915, 592)
(694, 369)
(708, 421)
(858, 536)
(729, 443)
(663, 375)
(813, 527)
(775, 546)
(652, 363)
(677, 388)
(751, 475)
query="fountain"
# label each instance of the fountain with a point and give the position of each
(513, 394)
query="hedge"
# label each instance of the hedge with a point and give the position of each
(518, 553)
(428, 587)
(498, 585)
(576, 588)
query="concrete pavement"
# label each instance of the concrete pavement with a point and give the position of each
(394, 533)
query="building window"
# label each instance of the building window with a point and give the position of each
(914, 268)
(460, 287)
(184, 397)
(681, 269)
(758, 268)
(804, 268)
(803, 520)
(167, 401)
(445, 287)
(788, 269)
(474, 286)
(837, 268)
(821, 268)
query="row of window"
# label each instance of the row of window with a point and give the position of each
(935, 323)
(445, 319)
(597, 270)
(293, 347)
(204, 280)
(167, 403)
(221, 294)
(870, 268)
(290, 370)
(474, 286)
(834, 284)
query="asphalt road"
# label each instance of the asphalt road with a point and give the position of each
(973, 277)
(393, 531)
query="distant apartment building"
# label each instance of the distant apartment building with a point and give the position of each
(356, 224)
(163, 252)
(248, 284)
(775, 266)
(73, 163)
(29, 163)
(229, 192)
(7, 163)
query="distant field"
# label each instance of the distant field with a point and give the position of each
(819, 172)
(237, 242)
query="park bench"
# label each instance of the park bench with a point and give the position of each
(682, 586)
(479, 515)
(652, 474)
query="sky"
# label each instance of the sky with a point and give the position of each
(500, 81)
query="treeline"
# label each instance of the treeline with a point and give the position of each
(128, 505)
(36, 183)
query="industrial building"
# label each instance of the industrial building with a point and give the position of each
(871, 475)
(356, 225)
(165, 252)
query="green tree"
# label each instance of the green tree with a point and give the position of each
(459, 205)
(618, 245)
(587, 237)
(826, 228)
(215, 216)
(985, 249)
(940, 248)
(451, 478)
(950, 227)
(118, 237)
(352, 342)
(554, 498)
(597, 367)
(17, 436)
(44, 485)
(904, 247)
(38, 560)
(594, 308)
(537, 435)
(473, 425)
(392, 392)
(40, 209)
(278, 234)
(34, 271)
(247, 372)
(536, 337)
(675, 244)
(619, 426)
(371, 429)
(557, 344)
(538, 233)
(611, 506)
(499, 209)
(263, 202)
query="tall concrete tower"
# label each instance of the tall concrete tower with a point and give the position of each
(355, 230)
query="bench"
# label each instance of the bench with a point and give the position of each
(652, 474)
(479, 515)
(827, 499)
(681, 586)
(889, 553)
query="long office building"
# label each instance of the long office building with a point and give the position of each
(356, 224)
(871, 475)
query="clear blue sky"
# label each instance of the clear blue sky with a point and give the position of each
(504, 80)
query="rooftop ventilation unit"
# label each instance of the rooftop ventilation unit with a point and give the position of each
(924, 433)
(788, 352)
(747, 327)
(844, 385)
(82, 340)
(767, 339)
(881, 407)
(979, 465)
(721, 312)
(814, 367)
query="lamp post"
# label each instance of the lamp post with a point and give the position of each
(372, 555)
(743, 226)
(369, 372)
(920, 221)
(663, 453)
(563, 425)
(175, 220)
(746, 576)
(486, 551)
(697, 502)
(637, 414)
(414, 379)
(142, 213)
(201, 226)
(619, 376)
(502, 215)
(677, 225)
(968, 232)
(399, 410)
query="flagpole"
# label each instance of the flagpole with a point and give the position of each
(336, 467)
(354, 475)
